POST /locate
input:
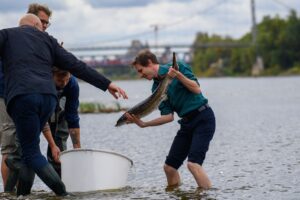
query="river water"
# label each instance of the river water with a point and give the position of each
(255, 153)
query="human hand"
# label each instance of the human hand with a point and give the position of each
(117, 91)
(173, 72)
(133, 119)
(55, 151)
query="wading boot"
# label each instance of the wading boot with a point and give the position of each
(14, 164)
(49, 176)
(26, 178)
(11, 181)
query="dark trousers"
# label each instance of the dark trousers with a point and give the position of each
(192, 139)
(30, 113)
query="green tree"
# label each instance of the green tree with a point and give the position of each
(278, 42)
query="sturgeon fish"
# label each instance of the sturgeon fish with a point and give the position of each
(148, 105)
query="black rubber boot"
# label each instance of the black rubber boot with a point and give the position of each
(56, 166)
(14, 164)
(11, 181)
(26, 178)
(49, 176)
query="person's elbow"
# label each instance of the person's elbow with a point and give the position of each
(197, 90)
(169, 118)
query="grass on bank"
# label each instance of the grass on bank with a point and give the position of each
(97, 107)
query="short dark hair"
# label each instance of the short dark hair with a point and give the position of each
(60, 72)
(34, 8)
(143, 58)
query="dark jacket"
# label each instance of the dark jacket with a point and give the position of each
(1, 81)
(71, 93)
(28, 56)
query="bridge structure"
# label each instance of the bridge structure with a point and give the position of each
(122, 54)
(175, 46)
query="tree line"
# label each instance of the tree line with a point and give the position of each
(277, 43)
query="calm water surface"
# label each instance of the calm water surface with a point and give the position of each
(255, 153)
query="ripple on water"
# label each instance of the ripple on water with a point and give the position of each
(256, 144)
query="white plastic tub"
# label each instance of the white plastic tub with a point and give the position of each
(85, 170)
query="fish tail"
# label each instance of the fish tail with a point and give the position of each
(174, 65)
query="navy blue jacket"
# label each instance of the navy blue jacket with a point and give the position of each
(1, 81)
(71, 92)
(28, 56)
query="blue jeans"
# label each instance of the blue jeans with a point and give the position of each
(30, 113)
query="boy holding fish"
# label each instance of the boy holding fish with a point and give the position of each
(197, 123)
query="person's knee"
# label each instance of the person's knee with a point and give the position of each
(169, 170)
(199, 175)
(192, 166)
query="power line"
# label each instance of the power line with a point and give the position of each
(144, 33)
(206, 10)
(125, 37)
(283, 4)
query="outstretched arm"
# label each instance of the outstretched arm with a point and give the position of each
(67, 61)
(163, 119)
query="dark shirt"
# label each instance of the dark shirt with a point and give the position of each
(71, 93)
(180, 99)
(1, 81)
(28, 56)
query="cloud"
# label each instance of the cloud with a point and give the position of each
(107, 22)
(21, 6)
(128, 3)
(118, 3)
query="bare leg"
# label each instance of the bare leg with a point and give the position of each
(4, 169)
(199, 175)
(172, 174)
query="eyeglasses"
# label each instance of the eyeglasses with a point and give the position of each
(44, 22)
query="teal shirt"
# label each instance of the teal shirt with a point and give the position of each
(180, 99)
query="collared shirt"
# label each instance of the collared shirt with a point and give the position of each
(180, 99)
(28, 56)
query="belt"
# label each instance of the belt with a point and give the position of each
(190, 115)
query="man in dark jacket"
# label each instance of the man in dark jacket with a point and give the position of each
(28, 55)
(9, 145)
(65, 120)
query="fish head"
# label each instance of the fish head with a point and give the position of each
(121, 121)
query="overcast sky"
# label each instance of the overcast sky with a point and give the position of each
(110, 22)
